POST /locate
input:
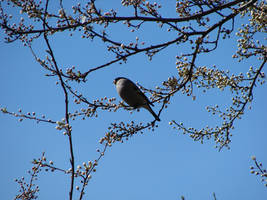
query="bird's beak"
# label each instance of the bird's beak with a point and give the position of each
(114, 82)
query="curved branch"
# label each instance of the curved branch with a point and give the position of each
(133, 18)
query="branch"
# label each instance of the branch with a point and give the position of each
(50, 51)
(28, 116)
(133, 18)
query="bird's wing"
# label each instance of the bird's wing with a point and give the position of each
(141, 94)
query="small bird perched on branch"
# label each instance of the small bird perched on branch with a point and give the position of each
(132, 95)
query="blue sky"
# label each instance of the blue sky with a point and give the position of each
(163, 164)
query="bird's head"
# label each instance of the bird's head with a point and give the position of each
(117, 79)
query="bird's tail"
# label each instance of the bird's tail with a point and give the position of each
(147, 106)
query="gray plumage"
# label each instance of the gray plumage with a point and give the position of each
(132, 95)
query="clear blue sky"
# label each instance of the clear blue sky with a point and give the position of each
(163, 164)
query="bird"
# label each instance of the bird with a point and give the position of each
(132, 95)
